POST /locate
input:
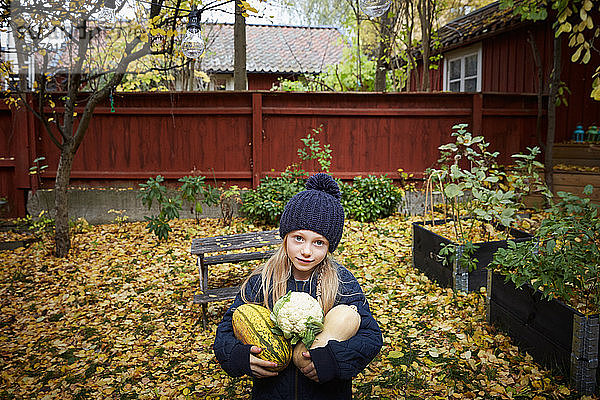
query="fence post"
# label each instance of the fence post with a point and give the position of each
(477, 113)
(584, 353)
(257, 137)
(22, 128)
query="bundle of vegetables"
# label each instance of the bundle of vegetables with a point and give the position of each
(298, 316)
(252, 325)
(341, 323)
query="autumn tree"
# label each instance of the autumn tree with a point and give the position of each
(573, 18)
(65, 118)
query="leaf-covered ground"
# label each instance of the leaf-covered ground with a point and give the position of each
(115, 321)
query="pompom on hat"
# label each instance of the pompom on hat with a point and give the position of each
(317, 209)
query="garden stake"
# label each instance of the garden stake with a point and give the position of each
(460, 274)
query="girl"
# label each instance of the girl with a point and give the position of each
(311, 227)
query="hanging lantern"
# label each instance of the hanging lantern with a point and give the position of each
(192, 44)
(107, 16)
(374, 8)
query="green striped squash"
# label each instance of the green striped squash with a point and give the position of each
(252, 325)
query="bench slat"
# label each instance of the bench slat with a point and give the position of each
(235, 242)
(216, 294)
(234, 258)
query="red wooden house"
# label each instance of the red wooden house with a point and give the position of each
(488, 51)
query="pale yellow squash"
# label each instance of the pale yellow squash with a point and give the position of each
(340, 323)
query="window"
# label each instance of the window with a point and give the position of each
(462, 70)
(220, 84)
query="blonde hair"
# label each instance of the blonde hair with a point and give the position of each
(276, 272)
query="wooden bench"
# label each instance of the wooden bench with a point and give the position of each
(227, 243)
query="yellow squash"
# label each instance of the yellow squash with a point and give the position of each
(340, 323)
(252, 325)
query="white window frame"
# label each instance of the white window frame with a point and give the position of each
(228, 81)
(461, 54)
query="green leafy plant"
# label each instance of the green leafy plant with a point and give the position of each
(265, 204)
(168, 208)
(38, 168)
(41, 227)
(478, 193)
(564, 259)
(195, 191)
(406, 180)
(370, 198)
(152, 191)
(463, 255)
(314, 151)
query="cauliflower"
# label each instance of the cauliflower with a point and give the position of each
(298, 316)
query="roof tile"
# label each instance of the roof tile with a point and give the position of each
(483, 21)
(273, 48)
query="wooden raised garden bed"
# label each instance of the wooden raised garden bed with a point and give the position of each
(554, 334)
(583, 154)
(575, 181)
(567, 157)
(575, 166)
(426, 247)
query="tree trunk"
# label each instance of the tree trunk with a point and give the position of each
(540, 88)
(552, 98)
(382, 56)
(358, 66)
(239, 39)
(19, 47)
(61, 202)
(426, 42)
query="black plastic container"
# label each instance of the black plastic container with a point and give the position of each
(427, 245)
(554, 334)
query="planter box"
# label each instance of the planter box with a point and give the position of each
(572, 182)
(554, 334)
(585, 154)
(426, 247)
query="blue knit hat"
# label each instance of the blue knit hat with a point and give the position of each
(317, 209)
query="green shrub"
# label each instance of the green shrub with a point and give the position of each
(264, 205)
(371, 198)
(563, 260)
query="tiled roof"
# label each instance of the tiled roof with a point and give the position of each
(273, 48)
(484, 21)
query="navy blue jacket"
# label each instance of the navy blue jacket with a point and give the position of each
(336, 363)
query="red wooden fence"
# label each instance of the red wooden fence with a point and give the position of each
(240, 137)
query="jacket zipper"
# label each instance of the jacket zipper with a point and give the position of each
(296, 384)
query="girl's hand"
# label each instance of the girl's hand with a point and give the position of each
(309, 371)
(258, 365)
